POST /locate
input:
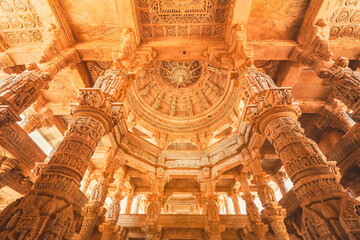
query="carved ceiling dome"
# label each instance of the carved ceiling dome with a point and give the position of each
(180, 74)
(182, 99)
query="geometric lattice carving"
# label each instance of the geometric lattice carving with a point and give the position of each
(180, 74)
(182, 18)
(345, 20)
(19, 22)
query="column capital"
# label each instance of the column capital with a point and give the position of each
(93, 103)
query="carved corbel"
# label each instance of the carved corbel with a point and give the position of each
(237, 53)
(315, 50)
(7, 164)
(128, 59)
(335, 115)
(55, 43)
(6, 61)
(3, 44)
(336, 74)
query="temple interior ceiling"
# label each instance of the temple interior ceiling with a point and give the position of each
(182, 101)
(184, 106)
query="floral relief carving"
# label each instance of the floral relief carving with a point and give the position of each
(19, 23)
(162, 18)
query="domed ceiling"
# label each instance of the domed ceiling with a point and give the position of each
(184, 101)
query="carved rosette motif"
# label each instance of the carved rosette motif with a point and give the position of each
(303, 161)
(23, 27)
(344, 20)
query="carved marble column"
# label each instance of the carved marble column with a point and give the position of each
(235, 201)
(256, 227)
(335, 115)
(152, 229)
(279, 179)
(93, 210)
(213, 227)
(52, 209)
(344, 81)
(129, 203)
(89, 176)
(273, 114)
(19, 91)
(315, 53)
(110, 226)
(272, 213)
(214, 230)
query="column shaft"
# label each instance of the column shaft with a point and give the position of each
(315, 186)
(235, 201)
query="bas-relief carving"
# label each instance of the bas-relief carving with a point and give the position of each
(204, 18)
(160, 88)
(344, 21)
(19, 23)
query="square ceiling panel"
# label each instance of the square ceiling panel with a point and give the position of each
(182, 18)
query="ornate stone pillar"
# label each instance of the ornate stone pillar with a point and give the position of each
(214, 230)
(273, 114)
(52, 209)
(213, 227)
(152, 229)
(19, 91)
(110, 225)
(279, 179)
(129, 203)
(235, 201)
(315, 53)
(256, 227)
(94, 211)
(89, 176)
(336, 116)
(272, 214)
(344, 81)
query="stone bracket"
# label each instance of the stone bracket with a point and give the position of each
(8, 116)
